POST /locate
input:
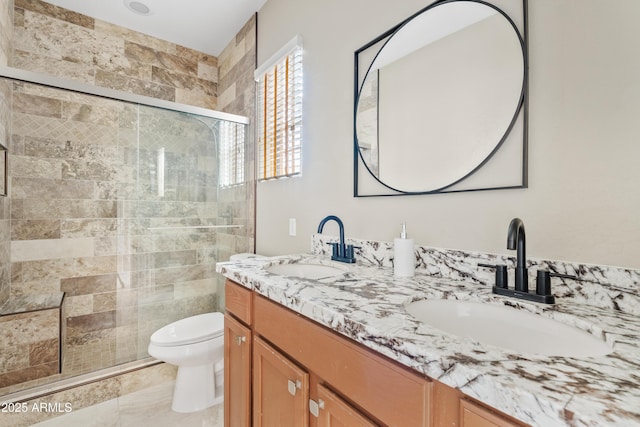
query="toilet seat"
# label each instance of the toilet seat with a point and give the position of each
(191, 330)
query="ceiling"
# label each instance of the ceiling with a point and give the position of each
(204, 25)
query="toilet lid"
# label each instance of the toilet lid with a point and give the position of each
(190, 330)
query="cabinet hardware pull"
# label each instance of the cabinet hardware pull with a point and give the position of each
(240, 340)
(291, 386)
(314, 407)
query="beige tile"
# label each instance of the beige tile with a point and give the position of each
(67, 267)
(40, 209)
(104, 302)
(152, 406)
(208, 72)
(91, 322)
(103, 414)
(37, 105)
(29, 328)
(31, 167)
(77, 305)
(35, 229)
(38, 287)
(195, 288)
(151, 376)
(56, 12)
(31, 250)
(40, 188)
(88, 284)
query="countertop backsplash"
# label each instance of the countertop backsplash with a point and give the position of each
(616, 288)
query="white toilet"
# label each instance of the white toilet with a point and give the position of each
(196, 346)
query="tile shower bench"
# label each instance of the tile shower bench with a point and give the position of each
(32, 334)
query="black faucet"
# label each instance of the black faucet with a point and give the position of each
(341, 252)
(516, 240)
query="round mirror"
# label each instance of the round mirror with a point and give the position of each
(440, 96)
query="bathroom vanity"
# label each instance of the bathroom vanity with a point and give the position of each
(306, 374)
(342, 348)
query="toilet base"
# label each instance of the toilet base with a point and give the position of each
(196, 388)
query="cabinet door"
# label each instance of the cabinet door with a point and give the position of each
(335, 412)
(237, 373)
(392, 395)
(472, 415)
(280, 389)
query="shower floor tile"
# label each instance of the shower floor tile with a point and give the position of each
(150, 406)
(81, 359)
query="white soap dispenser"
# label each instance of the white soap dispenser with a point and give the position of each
(404, 260)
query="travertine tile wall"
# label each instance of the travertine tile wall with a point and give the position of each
(31, 346)
(6, 40)
(236, 91)
(79, 223)
(74, 399)
(53, 40)
(6, 31)
(88, 218)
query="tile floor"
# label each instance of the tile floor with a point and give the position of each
(147, 407)
(87, 358)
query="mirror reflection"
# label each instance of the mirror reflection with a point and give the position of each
(440, 96)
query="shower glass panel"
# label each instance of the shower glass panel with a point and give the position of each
(168, 212)
(118, 205)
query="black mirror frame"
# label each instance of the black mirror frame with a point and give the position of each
(523, 108)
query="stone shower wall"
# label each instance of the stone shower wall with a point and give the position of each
(6, 31)
(53, 40)
(6, 40)
(75, 225)
(31, 334)
(88, 219)
(237, 96)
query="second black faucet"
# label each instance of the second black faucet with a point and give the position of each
(516, 240)
(341, 252)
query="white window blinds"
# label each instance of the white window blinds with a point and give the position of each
(231, 155)
(279, 118)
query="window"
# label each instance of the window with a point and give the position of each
(231, 136)
(279, 115)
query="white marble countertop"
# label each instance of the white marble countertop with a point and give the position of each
(367, 304)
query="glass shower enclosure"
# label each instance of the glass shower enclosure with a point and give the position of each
(125, 204)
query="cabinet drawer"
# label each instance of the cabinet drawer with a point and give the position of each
(389, 393)
(238, 301)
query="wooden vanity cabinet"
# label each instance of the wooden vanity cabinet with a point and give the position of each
(281, 395)
(371, 384)
(333, 411)
(453, 409)
(237, 355)
(282, 369)
(474, 415)
(280, 389)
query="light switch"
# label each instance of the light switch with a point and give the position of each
(292, 226)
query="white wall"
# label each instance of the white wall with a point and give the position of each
(583, 200)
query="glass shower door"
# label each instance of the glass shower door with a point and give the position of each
(167, 214)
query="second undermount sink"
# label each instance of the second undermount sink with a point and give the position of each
(508, 328)
(305, 270)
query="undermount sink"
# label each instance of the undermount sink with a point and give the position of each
(305, 270)
(508, 328)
